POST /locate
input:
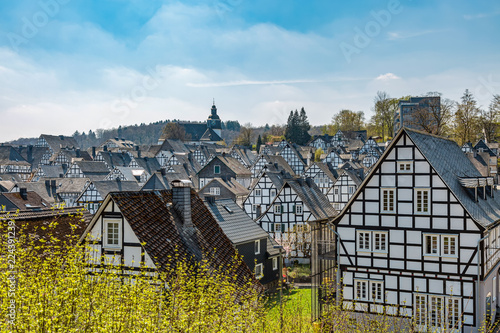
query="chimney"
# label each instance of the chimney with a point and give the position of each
(30, 153)
(105, 148)
(181, 199)
(24, 193)
(78, 152)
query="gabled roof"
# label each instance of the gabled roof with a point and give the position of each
(114, 159)
(232, 163)
(45, 188)
(53, 171)
(276, 163)
(72, 153)
(311, 196)
(230, 184)
(150, 165)
(482, 145)
(56, 142)
(71, 185)
(159, 226)
(92, 168)
(211, 136)
(10, 156)
(327, 168)
(33, 154)
(129, 173)
(174, 146)
(353, 174)
(32, 200)
(7, 185)
(106, 186)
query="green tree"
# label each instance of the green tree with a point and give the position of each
(297, 127)
(467, 120)
(259, 143)
(347, 120)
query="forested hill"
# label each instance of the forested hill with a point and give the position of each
(143, 134)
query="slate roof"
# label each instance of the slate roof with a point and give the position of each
(53, 171)
(160, 227)
(33, 154)
(7, 185)
(211, 136)
(230, 184)
(150, 165)
(71, 154)
(106, 186)
(10, 156)
(235, 223)
(71, 185)
(482, 145)
(311, 196)
(114, 159)
(449, 161)
(92, 168)
(327, 168)
(232, 163)
(194, 130)
(278, 163)
(45, 188)
(56, 142)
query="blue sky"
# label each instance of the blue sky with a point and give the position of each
(69, 65)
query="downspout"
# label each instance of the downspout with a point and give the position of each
(337, 293)
(478, 275)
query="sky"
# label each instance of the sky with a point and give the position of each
(68, 65)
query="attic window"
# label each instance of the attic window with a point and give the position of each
(405, 167)
(216, 169)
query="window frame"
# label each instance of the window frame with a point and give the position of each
(440, 238)
(258, 192)
(215, 191)
(360, 244)
(421, 201)
(301, 209)
(261, 268)
(369, 243)
(106, 222)
(383, 203)
(370, 290)
(277, 209)
(256, 246)
(404, 163)
(217, 169)
(275, 263)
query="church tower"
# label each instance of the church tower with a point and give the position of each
(213, 121)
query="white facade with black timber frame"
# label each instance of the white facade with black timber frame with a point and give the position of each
(409, 238)
(262, 194)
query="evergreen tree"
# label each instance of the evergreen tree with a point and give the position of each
(297, 127)
(259, 143)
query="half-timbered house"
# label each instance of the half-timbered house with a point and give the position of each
(420, 237)
(293, 158)
(225, 167)
(95, 191)
(285, 219)
(263, 192)
(87, 169)
(347, 182)
(12, 164)
(323, 174)
(153, 229)
(267, 162)
(219, 189)
(333, 157)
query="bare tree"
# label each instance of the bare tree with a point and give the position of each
(467, 120)
(385, 108)
(174, 131)
(434, 114)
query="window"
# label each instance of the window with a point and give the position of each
(422, 201)
(369, 290)
(404, 167)
(275, 264)
(215, 190)
(277, 227)
(299, 209)
(273, 193)
(258, 271)
(364, 241)
(112, 235)
(440, 245)
(437, 312)
(258, 192)
(254, 208)
(336, 190)
(388, 200)
(257, 246)
(277, 209)
(351, 189)
(372, 241)
(216, 169)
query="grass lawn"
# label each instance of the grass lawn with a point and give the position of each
(296, 311)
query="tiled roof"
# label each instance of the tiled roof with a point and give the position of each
(45, 188)
(32, 200)
(232, 163)
(235, 223)
(160, 227)
(70, 222)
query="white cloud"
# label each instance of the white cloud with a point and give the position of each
(394, 35)
(481, 15)
(387, 77)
